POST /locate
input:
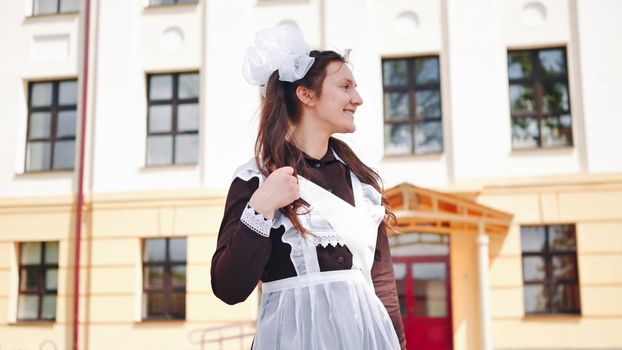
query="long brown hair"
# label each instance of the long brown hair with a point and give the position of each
(282, 108)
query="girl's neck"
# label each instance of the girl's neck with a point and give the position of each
(312, 142)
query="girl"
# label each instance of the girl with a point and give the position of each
(305, 216)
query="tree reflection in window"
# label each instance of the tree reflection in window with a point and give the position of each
(550, 272)
(412, 106)
(539, 99)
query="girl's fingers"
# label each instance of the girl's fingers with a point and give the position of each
(287, 170)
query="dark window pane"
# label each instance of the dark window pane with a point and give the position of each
(552, 62)
(64, 154)
(155, 250)
(69, 5)
(154, 277)
(398, 139)
(186, 1)
(557, 131)
(564, 268)
(414, 243)
(178, 276)
(44, 7)
(412, 104)
(160, 118)
(48, 309)
(186, 149)
(426, 71)
(532, 239)
(29, 279)
(155, 304)
(555, 97)
(68, 94)
(428, 137)
(41, 142)
(177, 249)
(536, 298)
(161, 87)
(36, 281)
(28, 307)
(565, 298)
(525, 132)
(428, 103)
(38, 156)
(549, 257)
(562, 238)
(30, 253)
(543, 78)
(396, 105)
(66, 124)
(40, 125)
(159, 150)
(178, 305)
(188, 117)
(522, 98)
(161, 2)
(41, 93)
(188, 85)
(395, 73)
(399, 270)
(400, 275)
(51, 279)
(430, 289)
(51, 252)
(429, 271)
(534, 268)
(519, 65)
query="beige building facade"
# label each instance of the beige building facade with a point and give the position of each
(494, 125)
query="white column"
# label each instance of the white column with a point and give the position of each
(484, 291)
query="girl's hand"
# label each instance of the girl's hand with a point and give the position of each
(279, 189)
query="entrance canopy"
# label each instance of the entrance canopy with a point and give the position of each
(422, 210)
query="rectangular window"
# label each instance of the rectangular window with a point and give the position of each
(38, 281)
(51, 134)
(412, 106)
(48, 7)
(173, 119)
(164, 278)
(550, 270)
(170, 2)
(539, 98)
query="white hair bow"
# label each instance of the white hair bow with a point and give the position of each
(280, 48)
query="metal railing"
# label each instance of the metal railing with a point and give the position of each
(223, 335)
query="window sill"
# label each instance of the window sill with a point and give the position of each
(164, 6)
(552, 317)
(280, 2)
(541, 150)
(165, 167)
(403, 157)
(45, 173)
(156, 322)
(32, 323)
(51, 15)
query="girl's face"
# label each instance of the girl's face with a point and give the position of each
(339, 99)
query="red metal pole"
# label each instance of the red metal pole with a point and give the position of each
(80, 201)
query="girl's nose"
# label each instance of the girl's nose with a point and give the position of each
(357, 99)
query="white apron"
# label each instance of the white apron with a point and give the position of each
(334, 310)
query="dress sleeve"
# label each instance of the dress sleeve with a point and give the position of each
(243, 246)
(384, 283)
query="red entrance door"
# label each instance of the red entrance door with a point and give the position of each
(424, 293)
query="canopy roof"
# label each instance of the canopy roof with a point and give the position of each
(422, 210)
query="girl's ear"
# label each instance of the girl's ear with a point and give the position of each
(305, 95)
